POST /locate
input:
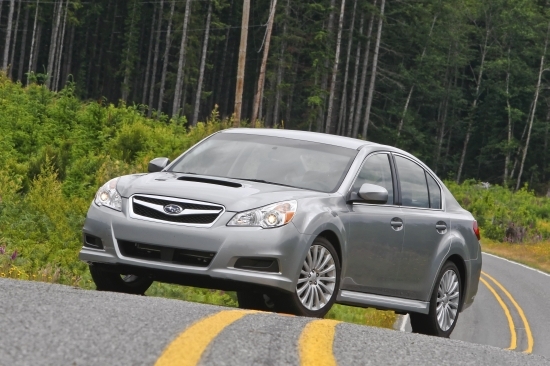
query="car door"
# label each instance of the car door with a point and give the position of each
(373, 244)
(427, 226)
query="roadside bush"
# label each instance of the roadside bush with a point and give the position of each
(504, 215)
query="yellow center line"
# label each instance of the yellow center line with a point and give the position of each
(315, 344)
(189, 346)
(530, 341)
(513, 336)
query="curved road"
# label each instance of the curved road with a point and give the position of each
(44, 324)
(485, 322)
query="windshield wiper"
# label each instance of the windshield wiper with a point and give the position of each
(267, 182)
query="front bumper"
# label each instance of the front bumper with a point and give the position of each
(284, 244)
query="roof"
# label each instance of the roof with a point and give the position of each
(321, 138)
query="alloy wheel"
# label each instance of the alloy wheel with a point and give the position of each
(448, 297)
(317, 279)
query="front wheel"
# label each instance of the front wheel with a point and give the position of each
(318, 282)
(444, 305)
(124, 283)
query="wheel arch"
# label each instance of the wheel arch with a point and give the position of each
(334, 240)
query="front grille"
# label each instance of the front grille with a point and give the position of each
(192, 212)
(158, 253)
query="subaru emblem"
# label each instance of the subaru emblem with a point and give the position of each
(173, 209)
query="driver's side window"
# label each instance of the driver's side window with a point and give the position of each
(376, 170)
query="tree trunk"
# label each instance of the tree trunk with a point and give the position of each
(276, 109)
(509, 109)
(60, 52)
(166, 57)
(474, 105)
(203, 63)
(53, 44)
(155, 61)
(545, 149)
(23, 45)
(360, 97)
(129, 62)
(149, 55)
(343, 103)
(68, 63)
(33, 40)
(37, 46)
(400, 126)
(15, 33)
(370, 95)
(291, 94)
(521, 139)
(324, 76)
(8, 36)
(224, 61)
(261, 77)
(181, 62)
(328, 124)
(349, 129)
(537, 91)
(242, 64)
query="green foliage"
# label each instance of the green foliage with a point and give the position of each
(56, 151)
(504, 215)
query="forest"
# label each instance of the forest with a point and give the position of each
(462, 84)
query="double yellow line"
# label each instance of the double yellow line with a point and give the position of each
(315, 345)
(511, 325)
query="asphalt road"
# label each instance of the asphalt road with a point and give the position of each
(44, 324)
(485, 321)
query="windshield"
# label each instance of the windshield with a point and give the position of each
(288, 162)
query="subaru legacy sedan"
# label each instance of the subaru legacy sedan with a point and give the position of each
(293, 222)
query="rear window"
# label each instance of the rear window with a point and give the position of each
(295, 163)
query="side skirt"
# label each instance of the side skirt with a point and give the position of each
(382, 302)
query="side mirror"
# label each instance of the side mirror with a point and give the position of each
(156, 165)
(373, 193)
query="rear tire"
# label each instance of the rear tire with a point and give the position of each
(445, 305)
(114, 282)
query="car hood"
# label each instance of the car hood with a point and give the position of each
(236, 195)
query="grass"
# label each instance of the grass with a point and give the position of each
(536, 255)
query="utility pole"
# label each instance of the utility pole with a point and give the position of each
(261, 78)
(242, 62)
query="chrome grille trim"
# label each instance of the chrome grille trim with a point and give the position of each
(208, 209)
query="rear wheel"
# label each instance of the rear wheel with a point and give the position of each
(115, 282)
(444, 305)
(318, 282)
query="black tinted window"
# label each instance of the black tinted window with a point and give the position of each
(414, 191)
(376, 170)
(290, 162)
(435, 192)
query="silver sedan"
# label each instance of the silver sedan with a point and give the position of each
(293, 221)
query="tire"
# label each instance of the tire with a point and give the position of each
(323, 279)
(255, 301)
(115, 282)
(448, 294)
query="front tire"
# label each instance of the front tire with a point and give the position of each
(114, 282)
(318, 282)
(444, 305)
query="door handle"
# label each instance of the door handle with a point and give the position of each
(441, 227)
(396, 223)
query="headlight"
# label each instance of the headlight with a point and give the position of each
(275, 215)
(108, 196)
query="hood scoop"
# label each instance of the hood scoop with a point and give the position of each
(211, 181)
